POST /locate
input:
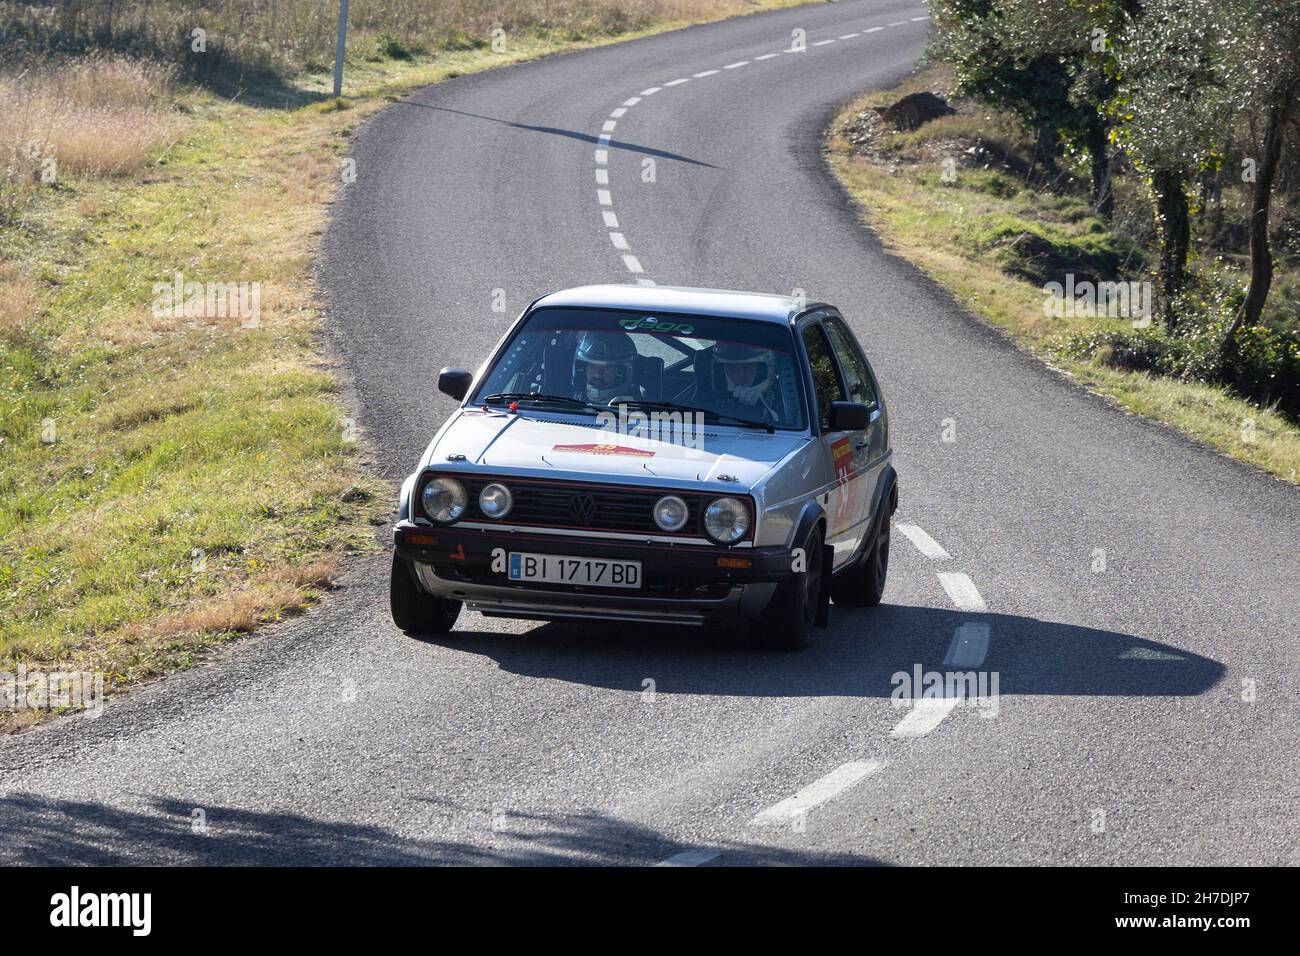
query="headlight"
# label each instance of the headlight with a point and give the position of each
(671, 513)
(726, 520)
(444, 500)
(495, 500)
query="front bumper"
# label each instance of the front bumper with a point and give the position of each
(681, 584)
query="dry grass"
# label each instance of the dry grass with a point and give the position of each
(283, 590)
(17, 301)
(286, 35)
(95, 116)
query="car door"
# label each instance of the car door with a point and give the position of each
(839, 497)
(870, 447)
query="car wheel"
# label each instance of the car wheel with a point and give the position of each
(414, 611)
(864, 585)
(787, 623)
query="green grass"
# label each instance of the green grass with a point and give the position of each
(157, 469)
(993, 241)
(201, 478)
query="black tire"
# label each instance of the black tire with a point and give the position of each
(414, 611)
(787, 623)
(864, 584)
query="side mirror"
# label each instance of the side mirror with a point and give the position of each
(455, 382)
(849, 416)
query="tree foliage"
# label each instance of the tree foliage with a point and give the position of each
(1045, 60)
(1160, 81)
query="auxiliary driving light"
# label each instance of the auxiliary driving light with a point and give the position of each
(495, 500)
(671, 513)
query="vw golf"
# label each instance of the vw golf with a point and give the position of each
(654, 454)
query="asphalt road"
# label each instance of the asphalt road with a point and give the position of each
(1147, 711)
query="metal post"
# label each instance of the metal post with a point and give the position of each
(338, 54)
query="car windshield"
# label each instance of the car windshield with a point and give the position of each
(736, 369)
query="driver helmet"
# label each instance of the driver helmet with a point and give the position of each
(606, 358)
(748, 370)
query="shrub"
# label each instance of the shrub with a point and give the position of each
(388, 47)
(1267, 369)
(1041, 252)
(1136, 350)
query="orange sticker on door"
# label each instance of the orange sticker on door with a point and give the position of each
(842, 459)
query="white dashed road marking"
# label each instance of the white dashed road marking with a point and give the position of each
(696, 857)
(970, 645)
(963, 592)
(924, 543)
(925, 715)
(602, 155)
(817, 793)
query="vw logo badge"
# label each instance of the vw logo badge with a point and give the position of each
(583, 507)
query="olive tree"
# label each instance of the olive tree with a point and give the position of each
(1044, 60)
(1263, 44)
(1171, 107)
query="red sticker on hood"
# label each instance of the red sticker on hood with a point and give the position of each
(605, 450)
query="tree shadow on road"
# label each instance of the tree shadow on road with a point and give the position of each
(594, 139)
(47, 831)
(857, 656)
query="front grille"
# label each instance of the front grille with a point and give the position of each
(545, 503)
(557, 505)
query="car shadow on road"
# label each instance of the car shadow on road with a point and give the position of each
(859, 655)
(47, 831)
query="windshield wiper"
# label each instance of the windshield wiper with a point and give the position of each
(499, 398)
(728, 419)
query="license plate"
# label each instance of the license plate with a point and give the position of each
(564, 569)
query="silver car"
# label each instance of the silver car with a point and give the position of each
(654, 454)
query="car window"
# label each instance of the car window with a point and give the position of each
(826, 381)
(857, 380)
(737, 368)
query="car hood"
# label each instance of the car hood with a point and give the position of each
(549, 443)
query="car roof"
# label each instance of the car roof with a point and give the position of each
(679, 299)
